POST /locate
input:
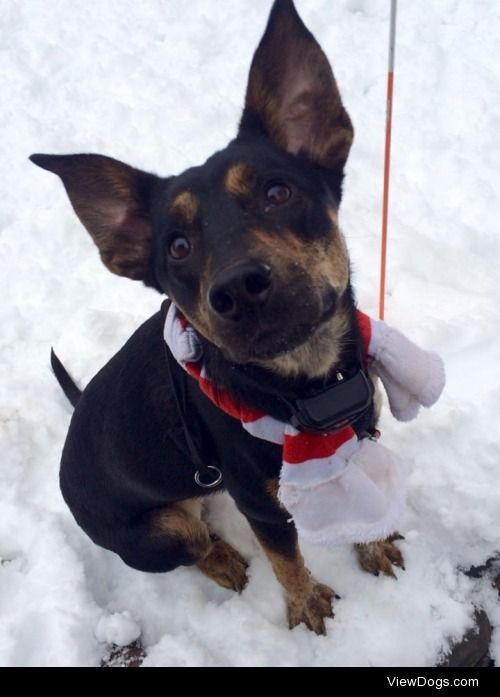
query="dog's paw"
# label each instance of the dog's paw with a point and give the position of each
(224, 565)
(312, 609)
(376, 557)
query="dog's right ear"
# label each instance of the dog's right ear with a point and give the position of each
(292, 96)
(112, 201)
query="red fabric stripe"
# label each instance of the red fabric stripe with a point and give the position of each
(365, 328)
(224, 401)
(248, 414)
(311, 446)
(193, 369)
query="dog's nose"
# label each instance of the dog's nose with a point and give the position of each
(246, 284)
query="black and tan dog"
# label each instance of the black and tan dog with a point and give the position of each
(248, 247)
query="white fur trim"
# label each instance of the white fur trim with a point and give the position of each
(183, 342)
(362, 503)
(266, 428)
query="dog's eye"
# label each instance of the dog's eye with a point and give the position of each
(179, 248)
(277, 193)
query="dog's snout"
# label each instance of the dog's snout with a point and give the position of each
(243, 285)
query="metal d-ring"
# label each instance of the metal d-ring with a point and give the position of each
(208, 485)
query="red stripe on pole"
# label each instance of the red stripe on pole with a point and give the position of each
(385, 200)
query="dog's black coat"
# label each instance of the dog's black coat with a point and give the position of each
(126, 455)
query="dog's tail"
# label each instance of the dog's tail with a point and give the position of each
(69, 387)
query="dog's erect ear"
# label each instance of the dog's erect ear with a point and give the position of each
(292, 95)
(112, 201)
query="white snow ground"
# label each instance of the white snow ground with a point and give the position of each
(159, 84)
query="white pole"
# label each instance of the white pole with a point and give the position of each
(387, 156)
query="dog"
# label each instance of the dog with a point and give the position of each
(249, 249)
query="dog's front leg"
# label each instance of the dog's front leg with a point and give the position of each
(307, 600)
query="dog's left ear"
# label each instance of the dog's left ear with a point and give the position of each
(112, 201)
(292, 95)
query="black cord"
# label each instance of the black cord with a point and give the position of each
(204, 475)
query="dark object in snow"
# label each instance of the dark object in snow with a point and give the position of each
(476, 637)
(130, 656)
(489, 568)
(473, 650)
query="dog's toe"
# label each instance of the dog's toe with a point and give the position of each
(393, 553)
(312, 609)
(381, 557)
(225, 566)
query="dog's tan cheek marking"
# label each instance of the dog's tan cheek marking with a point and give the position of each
(182, 521)
(200, 317)
(333, 260)
(200, 320)
(314, 358)
(322, 260)
(185, 206)
(239, 180)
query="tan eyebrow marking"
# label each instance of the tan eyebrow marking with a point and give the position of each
(185, 205)
(239, 179)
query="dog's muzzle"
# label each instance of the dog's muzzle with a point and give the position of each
(241, 288)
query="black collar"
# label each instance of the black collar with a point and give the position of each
(335, 407)
(329, 408)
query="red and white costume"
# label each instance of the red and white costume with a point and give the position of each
(337, 488)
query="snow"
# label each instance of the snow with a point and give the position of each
(159, 84)
(117, 628)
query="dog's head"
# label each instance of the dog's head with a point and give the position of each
(247, 244)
